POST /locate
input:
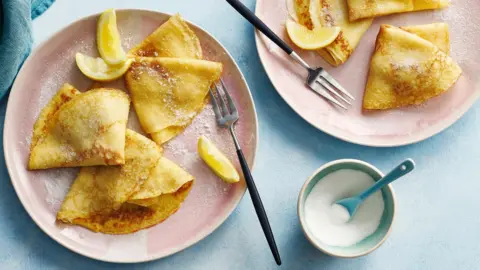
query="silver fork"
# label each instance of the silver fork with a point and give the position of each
(318, 79)
(226, 116)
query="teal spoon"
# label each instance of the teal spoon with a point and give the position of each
(351, 204)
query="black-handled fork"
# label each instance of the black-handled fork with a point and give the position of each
(318, 79)
(226, 116)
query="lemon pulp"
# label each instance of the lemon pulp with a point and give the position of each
(217, 161)
(108, 39)
(97, 69)
(311, 39)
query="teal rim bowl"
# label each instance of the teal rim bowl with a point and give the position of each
(368, 244)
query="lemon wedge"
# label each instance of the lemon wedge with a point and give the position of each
(217, 161)
(108, 39)
(96, 68)
(311, 39)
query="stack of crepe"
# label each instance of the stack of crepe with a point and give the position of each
(88, 130)
(359, 9)
(144, 191)
(125, 184)
(328, 13)
(169, 82)
(353, 16)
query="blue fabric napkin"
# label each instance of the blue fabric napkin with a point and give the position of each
(16, 36)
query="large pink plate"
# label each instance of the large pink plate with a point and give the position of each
(210, 202)
(388, 128)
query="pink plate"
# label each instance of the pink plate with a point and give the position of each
(388, 128)
(211, 200)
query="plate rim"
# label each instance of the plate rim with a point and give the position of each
(8, 149)
(364, 142)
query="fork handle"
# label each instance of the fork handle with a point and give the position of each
(253, 19)
(259, 209)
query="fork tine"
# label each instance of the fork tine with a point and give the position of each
(327, 96)
(329, 79)
(233, 109)
(331, 90)
(216, 109)
(220, 96)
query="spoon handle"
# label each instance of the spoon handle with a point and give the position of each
(401, 170)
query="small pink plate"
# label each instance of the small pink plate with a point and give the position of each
(387, 128)
(211, 200)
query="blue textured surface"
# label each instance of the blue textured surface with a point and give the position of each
(437, 223)
(16, 36)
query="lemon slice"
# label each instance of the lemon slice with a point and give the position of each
(108, 39)
(311, 39)
(96, 68)
(217, 161)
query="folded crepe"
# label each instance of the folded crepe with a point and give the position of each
(359, 9)
(165, 96)
(407, 69)
(429, 4)
(328, 13)
(436, 33)
(168, 93)
(80, 129)
(172, 39)
(143, 192)
(300, 10)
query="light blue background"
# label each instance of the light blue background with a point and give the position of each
(437, 224)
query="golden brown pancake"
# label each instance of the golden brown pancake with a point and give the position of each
(80, 129)
(143, 192)
(168, 93)
(302, 9)
(359, 9)
(436, 33)
(172, 39)
(406, 70)
(430, 4)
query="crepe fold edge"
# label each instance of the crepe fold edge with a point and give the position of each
(396, 79)
(49, 134)
(156, 187)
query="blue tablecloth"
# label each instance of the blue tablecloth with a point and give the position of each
(16, 36)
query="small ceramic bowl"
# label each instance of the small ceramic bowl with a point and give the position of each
(368, 244)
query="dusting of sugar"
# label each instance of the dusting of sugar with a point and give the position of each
(72, 232)
(464, 28)
(177, 148)
(406, 63)
(57, 182)
(26, 136)
(329, 20)
(169, 84)
(203, 124)
(127, 40)
(70, 153)
(209, 192)
(59, 71)
(134, 244)
(183, 150)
